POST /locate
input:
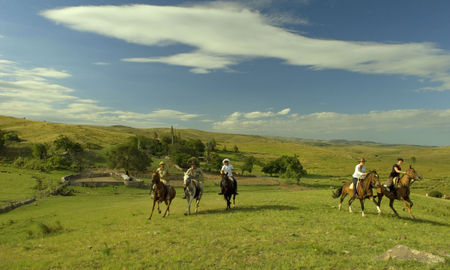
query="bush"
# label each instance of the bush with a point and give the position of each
(182, 159)
(58, 163)
(435, 193)
(27, 163)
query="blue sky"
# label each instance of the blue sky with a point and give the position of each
(357, 70)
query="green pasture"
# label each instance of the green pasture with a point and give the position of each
(20, 184)
(273, 227)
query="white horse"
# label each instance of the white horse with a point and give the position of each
(194, 190)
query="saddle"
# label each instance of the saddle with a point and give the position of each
(357, 184)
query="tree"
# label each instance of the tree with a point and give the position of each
(129, 157)
(40, 151)
(235, 149)
(285, 166)
(248, 164)
(211, 145)
(213, 162)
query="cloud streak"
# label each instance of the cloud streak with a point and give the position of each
(223, 34)
(332, 125)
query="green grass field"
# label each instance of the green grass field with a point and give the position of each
(274, 226)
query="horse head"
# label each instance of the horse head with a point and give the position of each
(155, 178)
(412, 174)
(225, 177)
(374, 179)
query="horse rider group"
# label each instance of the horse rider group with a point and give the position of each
(196, 173)
(360, 173)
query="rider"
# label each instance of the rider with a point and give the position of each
(195, 173)
(395, 173)
(227, 168)
(163, 172)
(360, 173)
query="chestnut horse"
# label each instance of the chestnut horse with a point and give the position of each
(160, 194)
(402, 191)
(364, 191)
(228, 189)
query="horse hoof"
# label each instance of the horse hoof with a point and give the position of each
(186, 214)
(412, 217)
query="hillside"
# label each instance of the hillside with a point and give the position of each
(325, 158)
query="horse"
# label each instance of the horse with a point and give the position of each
(194, 190)
(160, 194)
(364, 191)
(402, 192)
(228, 190)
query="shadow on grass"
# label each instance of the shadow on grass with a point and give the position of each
(255, 208)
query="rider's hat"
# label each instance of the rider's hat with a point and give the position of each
(162, 163)
(226, 160)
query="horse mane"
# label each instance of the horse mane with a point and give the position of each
(155, 177)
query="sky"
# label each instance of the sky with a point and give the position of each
(315, 69)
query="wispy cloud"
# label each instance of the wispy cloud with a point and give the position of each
(333, 125)
(33, 93)
(223, 34)
(101, 63)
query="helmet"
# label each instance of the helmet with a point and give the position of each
(194, 161)
(226, 160)
(162, 163)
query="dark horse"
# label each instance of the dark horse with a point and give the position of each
(364, 191)
(402, 191)
(160, 194)
(228, 189)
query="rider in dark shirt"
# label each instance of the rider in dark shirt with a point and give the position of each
(395, 173)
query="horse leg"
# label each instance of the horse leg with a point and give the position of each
(391, 205)
(407, 208)
(188, 209)
(350, 204)
(344, 194)
(362, 207)
(159, 210)
(234, 200)
(153, 208)
(167, 209)
(376, 204)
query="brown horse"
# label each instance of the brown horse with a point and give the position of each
(402, 191)
(160, 194)
(364, 191)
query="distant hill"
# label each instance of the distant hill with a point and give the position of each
(335, 157)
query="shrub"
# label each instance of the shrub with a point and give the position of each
(435, 193)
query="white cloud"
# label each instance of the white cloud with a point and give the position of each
(332, 125)
(30, 93)
(100, 63)
(253, 115)
(225, 34)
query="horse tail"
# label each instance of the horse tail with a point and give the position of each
(337, 193)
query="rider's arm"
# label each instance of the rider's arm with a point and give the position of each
(398, 171)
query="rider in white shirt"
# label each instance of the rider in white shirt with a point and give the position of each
(228, 169)
(360, 173)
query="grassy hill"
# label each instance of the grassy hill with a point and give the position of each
(330, 158)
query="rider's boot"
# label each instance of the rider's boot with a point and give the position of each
(235, 187)
(184, 197)
(168, 192)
